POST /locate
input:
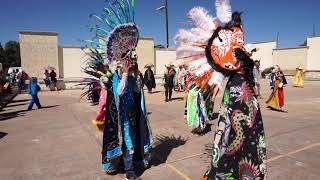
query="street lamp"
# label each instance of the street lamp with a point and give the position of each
(165, 9)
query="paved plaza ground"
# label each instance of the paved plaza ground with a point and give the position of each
(59, 141)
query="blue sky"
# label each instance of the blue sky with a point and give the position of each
(293, 19)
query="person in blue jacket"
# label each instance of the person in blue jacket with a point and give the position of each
(33, 91)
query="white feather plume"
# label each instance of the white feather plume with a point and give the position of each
(206, 35)
(194, 35)
(248, 47)
(186, 36)
(224, 12)
(203, 69)
(202, 19)
(216, 79)
(197, 63)
(187, 51)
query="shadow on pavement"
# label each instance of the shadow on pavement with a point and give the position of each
(10, 115)
(214, 116)
(162, 149)
(21, 100)
(177, 99)
(155, 92)
(164, 145)
(94, 103)
(208, 153)
(3, 134)
(206, 130)
(14, 105)
(14, 114)
(47, 107)
(277, 110)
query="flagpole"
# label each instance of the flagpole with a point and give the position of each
(167, 24)
(165, 8)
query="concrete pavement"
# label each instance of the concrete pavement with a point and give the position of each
(59, 142)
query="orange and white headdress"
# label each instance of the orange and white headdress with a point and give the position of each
(209, 46)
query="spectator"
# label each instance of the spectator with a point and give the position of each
(149, 79)
(46, 77)
(22, 77)
(33, 91)
(181, 78)
(257, 76)
(53, 78)
(169, 82)
(278, 81)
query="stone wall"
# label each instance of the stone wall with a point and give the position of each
(145, 52)
(290, 58)
(163, 57)
(264, 53)
(74, 59)
(313, 53)
(38, 50)
(60, 60)
(312, 75)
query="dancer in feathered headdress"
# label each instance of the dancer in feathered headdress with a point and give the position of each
(216, 49)
(127, 135)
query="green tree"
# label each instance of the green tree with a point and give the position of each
(12, 54)
(159, 46)
(2, 57)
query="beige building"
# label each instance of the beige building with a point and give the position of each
(39, 49)
(264, 53)
(146, 52)
(73, 59)
(164, 57)
(307, 56)
(313, 53)
(290, 58)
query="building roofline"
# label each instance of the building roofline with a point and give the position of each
(298, 47)
(47, 33)
(166, 49)
(72, 46)
(316, 36)
(146, 38)
(263, 42)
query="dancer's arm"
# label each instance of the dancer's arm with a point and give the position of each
(123, 84)
(124, 80)
(138, 84)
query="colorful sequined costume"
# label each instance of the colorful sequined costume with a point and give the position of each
(276, 99)
(214, 49)
(240, 153)
(298, 78)
(127, 136)
(127, 128)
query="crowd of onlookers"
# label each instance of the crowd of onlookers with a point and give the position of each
(50, 78)
(174, 79)
(18, 78)
(177, 79)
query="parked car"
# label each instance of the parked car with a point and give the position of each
(14, 69)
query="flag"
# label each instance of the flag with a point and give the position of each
(161, 8)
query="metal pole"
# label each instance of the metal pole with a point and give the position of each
(167, 24)
(314, 30)
(278, 35)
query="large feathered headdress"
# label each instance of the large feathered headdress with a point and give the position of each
(210, 44)
(115, 39)
(116, 33)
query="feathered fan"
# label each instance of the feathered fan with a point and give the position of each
(115, 35)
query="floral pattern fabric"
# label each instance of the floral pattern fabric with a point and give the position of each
(242, 151)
